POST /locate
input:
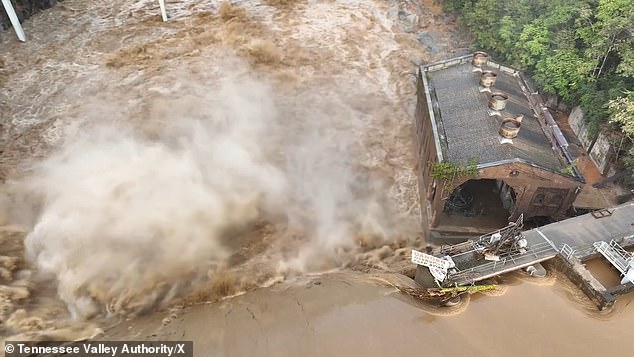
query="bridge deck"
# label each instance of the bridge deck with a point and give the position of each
(535, 254)
(574, 236)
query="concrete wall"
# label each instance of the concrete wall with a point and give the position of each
(426, 152)
(578, 125)
(555, 103)
(600, 149)
(601, 153)
(582, 278)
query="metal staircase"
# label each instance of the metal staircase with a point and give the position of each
(621, 259)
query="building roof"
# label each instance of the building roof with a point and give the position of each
(465, 128)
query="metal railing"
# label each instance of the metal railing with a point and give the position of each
(615, 254)
(507, 70)
(567, 251)
(446, 63)
(533, 253)
(581, 253)
(453, 249)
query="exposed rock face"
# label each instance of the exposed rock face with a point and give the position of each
(24, 9)
(426, 20)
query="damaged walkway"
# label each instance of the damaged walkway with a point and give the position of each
(574, 240)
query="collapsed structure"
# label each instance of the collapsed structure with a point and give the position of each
(568, 245)
(489, 150)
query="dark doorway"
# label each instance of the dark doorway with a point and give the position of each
(479, 205)
(537, 221)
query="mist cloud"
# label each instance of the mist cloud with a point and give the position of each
(126, 219)
(132, 218)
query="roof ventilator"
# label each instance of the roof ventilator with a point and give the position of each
(487, 80)
(479, 59)
(509, 128)
(497, 103)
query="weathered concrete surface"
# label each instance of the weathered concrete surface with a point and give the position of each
(578, 125)
(582, 231)
(580, 276)
(601, 153)
(622, 289)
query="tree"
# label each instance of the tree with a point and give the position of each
(580, 50)
(563, 72)
(612, 35)
(533, 44)
(622, 112)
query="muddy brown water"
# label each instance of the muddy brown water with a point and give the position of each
(117, 222)
(340, 315)
(607, 274)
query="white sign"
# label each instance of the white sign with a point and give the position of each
(437, 266)
(427, 260)
(438, 274)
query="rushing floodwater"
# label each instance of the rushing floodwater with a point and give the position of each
(239, 150)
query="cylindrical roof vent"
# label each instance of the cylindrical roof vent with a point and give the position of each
(510, 127)
(480, 58)
(487, 79)
(498, 101)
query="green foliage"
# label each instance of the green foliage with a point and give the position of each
(622, 112)
(592, 102)
(626, 66)
(568, 169)
(454, 5)
(563, 72)
(580, 50)
(565, 44)
(533, 43)
(629, 164)
(449, 172)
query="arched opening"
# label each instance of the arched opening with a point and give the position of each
(480, 205)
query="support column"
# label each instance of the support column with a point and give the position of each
(14, 19)
(163, 11)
